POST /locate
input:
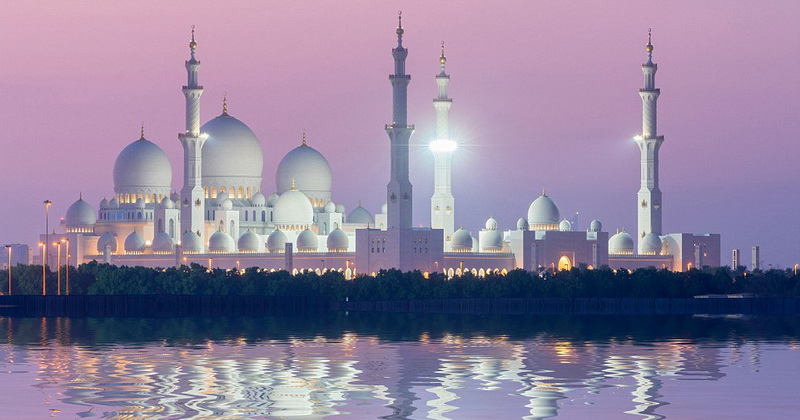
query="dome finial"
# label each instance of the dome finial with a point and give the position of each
(225, 103)
(142, 132)
(442, 58)
(544, 191)
(304, 137)
(399, 30)
(80, 196)
(293, 187)
(649, 47)
(192, 43)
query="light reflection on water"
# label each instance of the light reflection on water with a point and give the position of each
(400, 366)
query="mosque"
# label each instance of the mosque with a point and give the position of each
(222, 218)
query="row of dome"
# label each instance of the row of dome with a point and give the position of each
(307, 241)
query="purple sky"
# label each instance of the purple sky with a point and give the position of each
(545, 95)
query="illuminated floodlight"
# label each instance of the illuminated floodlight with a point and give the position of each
(637, 137)
(443, 145)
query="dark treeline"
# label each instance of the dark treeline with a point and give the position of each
(104, 279)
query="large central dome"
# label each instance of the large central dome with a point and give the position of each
(232, 158)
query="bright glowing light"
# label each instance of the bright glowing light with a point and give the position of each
(637, 137)
(443, 145)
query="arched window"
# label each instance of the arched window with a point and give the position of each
(264, 216)
(160, 225)
(139, 215)
(222, 189)
(246, 215)
(481, 272)
(564, 264)
(172, 228)
(222, 225)
(213, 192)
(241, 192)
(450, 273)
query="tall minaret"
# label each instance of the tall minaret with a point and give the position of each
(398, 191)
(192, 197)
(442, 202)
(649, 196)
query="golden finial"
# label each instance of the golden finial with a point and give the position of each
(442, 58)
(142, 132)
(225, 103)
(192, 43)
(304, 137)
(400, 22)
(293, 187)
(649, 47)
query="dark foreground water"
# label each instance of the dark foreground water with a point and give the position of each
(401, 366)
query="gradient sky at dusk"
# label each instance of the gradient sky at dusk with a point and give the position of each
(544, 95)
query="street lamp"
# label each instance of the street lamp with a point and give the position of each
(66, 240)
(44, 250)
(47, 204)
(8, 247)
(9, 272)
(58, 267)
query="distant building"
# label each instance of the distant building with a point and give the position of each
(736, 258)
(756, 255)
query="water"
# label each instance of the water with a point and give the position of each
(401, 366)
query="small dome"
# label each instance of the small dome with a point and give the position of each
(139, 203)
(134, 242)
(249, 242)
(384, 208)
(162, 242)
(595, 226)
(565, 226)
(330, 207)
(491, 223)
(113, 203)
(650, 244)
(340, 208)
(543, 214)
(258, 200)
(167, 203)
(227, 204)
(307, 241)
(522, 224)
(175, 197)
(338, 241)
(308, 170)
(221, 242)
(491, 241)
(621, 243)
(276, 241)
(142, 167)
(461, 241)
(107, 239)
(272, 199)
(80, 215)
(293, 209)
(232, 152)
(360, 215)
(222, 197)
(104, 204)
(190, 242)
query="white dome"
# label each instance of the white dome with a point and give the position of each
(360, 215)
(104, 204)
(565, 226)
(80, 215)
(226, 204)
(142, 167)
(491, 241)
(276, 241)
(107, 239)
(340, 208)
(258, 200)
(190, 242)
(330, 207)
(307, 241)
(621, 243)
(249, 242)
(167, 203)
(522, 224)
(134, 242)
(293, 209)
(139, 203)
(461, 241)
(232, 155)
(221, 242)
(384, 208)
(543, 214)
(650, 244)
(222, 197)
(491, 223)
(308, 169)
(113, 204)
(338, 241)
(595, 226)
(162, 242)
(272, 199)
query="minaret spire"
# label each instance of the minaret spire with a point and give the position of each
(649, 197)
(192, 196)
(443, 146)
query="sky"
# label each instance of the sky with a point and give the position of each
(545, 95)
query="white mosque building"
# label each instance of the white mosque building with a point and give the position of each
(222, 218)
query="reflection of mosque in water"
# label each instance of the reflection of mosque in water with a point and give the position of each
(432, 378)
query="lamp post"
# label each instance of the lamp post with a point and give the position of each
(44, 250)
(8, 247)
(66, 269)
(9, 272)
(58, 267)
(47, 204)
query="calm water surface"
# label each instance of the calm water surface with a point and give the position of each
(401, 366)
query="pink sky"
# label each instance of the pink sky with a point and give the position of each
(544, 93)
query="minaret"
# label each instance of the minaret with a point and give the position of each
(398, 191)
(442, 202)
(192, 197)
(649, 196)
